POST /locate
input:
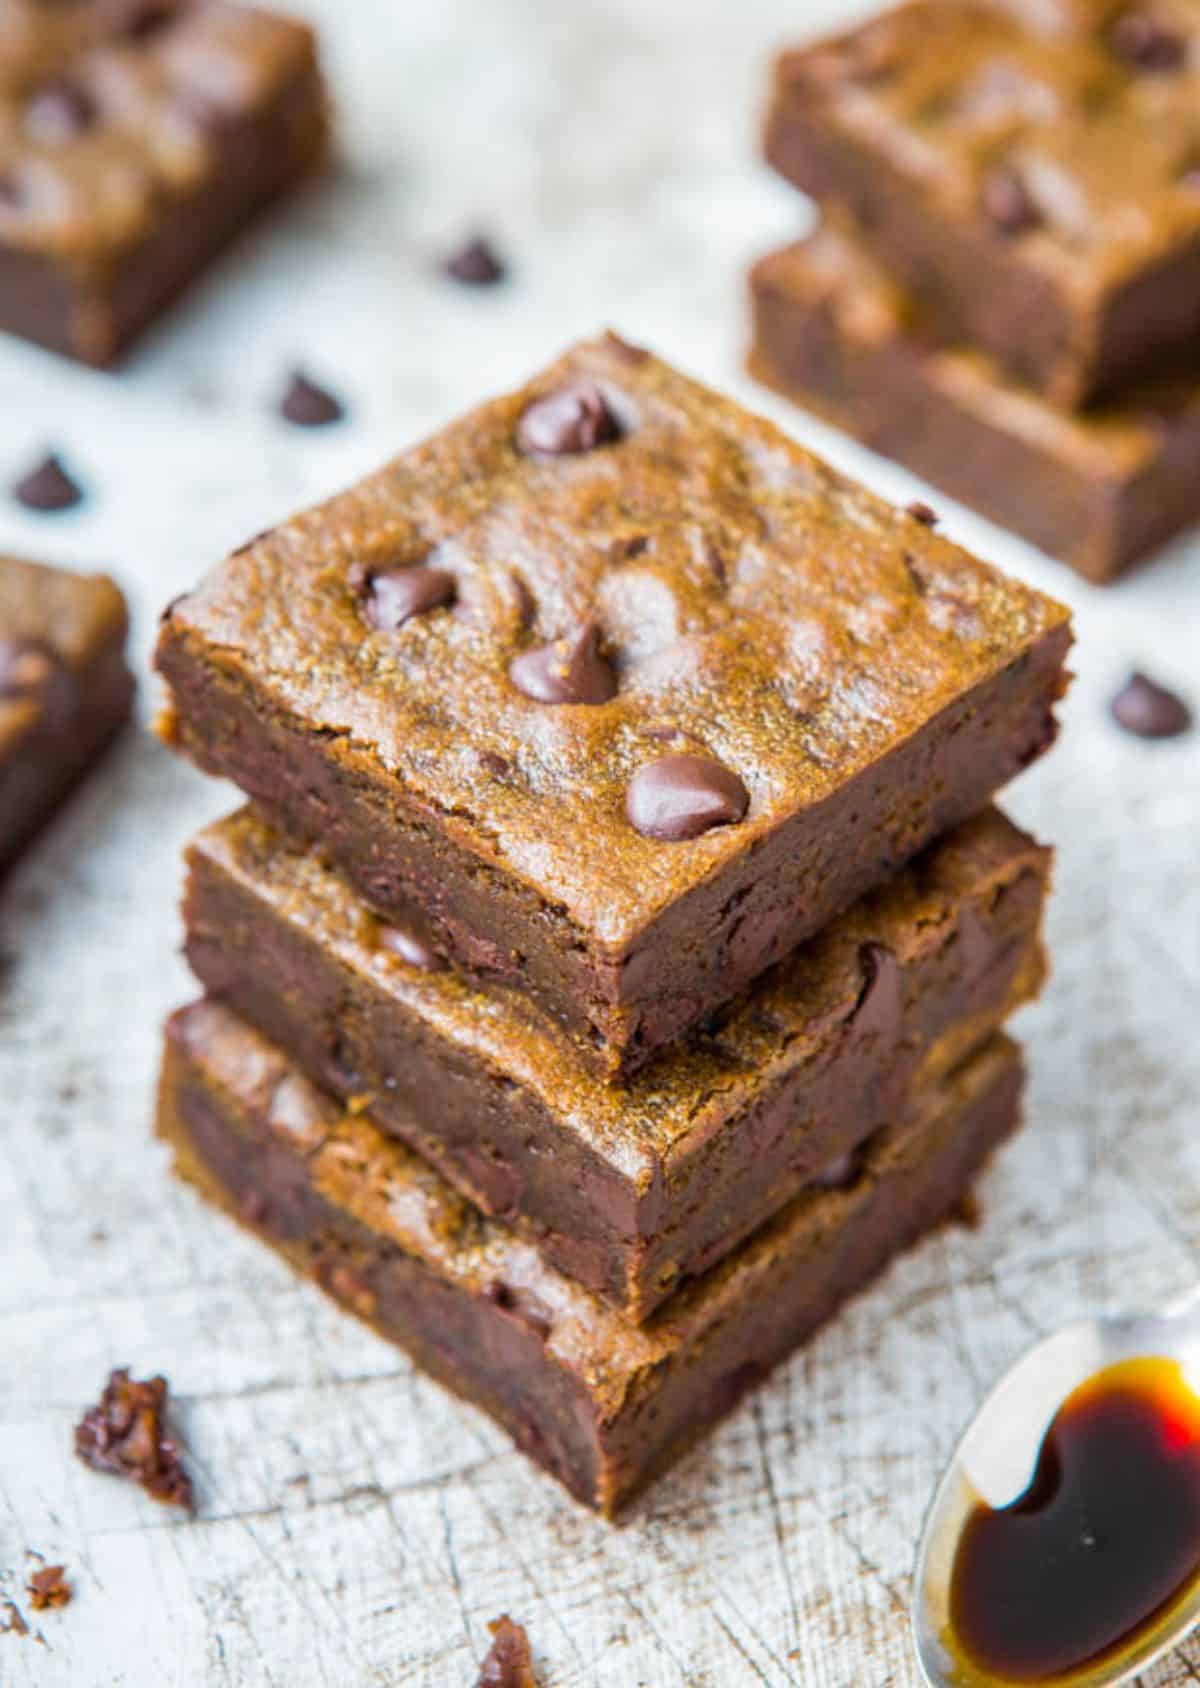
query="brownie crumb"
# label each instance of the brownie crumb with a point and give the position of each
(509, 1663)
(11, 1621)
(923, 513)
(49, 1587)
(48, 487)
(125, 1434)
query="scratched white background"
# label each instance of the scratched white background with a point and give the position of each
(356, 1526)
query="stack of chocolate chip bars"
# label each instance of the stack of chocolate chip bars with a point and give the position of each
(606, 978)
(1004, 294)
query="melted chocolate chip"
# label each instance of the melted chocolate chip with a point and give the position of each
(59, 112)
(475, 264)
(27, 667)
(575, 419)
(1149, 710)
(1148, 43)
(48, 487)
(125, 1434)
(680, 797)
(393, 598)
(923, 513)
(409, 948)
(880, 1006)
(509, 1663)
(309, 406)
(570, 670)
(839, 1174)
(1008, 202)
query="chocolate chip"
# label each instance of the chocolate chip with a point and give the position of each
(880, 1006)
(575, 419)
(49, 1587)
(309, 406)
(1150, 711)
(475, 264)
(59, 112)
(1008, 203)
(923, 513)
(680, 797)
(1146, 42)
(409, 948)
(570, 670)
(48, 487)
(393, 598)
(27, 667)
(492, 763)
(124, 1434)
(509, 1663)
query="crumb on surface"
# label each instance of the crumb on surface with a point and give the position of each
(509, 1663)
(125, 1434)
(49, 1587)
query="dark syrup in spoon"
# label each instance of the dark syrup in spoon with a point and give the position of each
(1104, 1542)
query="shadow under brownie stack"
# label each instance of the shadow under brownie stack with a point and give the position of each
(607, 976)
(1005, 293)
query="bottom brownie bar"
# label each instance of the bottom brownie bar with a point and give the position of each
(1100, 490)
(65, 690)
(601, 1404)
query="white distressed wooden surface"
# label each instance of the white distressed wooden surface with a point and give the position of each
(356, 1526)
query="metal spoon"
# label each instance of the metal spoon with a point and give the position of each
(995, 1462)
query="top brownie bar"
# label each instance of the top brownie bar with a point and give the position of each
(612, 693)
(1031, 169)
(136, 138)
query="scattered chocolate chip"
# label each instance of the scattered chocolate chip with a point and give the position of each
(493, 763)
(509, 1663)
(923, 513)
(49, 1587)
(409, 948)
(1147, 42)
(625, 350)
(125, 1434)
(680, 797)
(393, 598)
(1150, 711)
(309, 406)
(575, 419)
(48, 487)
(475, 264)
(1008, 202)
(569, 670)
(59, 112)
(27, 667)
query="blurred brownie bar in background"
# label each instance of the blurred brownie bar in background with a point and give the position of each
(137, 138)
(1031, 172)
(612, 693)
(65, 690)
(1100, 488)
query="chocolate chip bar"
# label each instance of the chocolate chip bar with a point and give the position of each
(1101, 489)
(629, 1190)
(140, 136)
(65, 691)
(612, 694)
(600, 1404)
(1031, 172)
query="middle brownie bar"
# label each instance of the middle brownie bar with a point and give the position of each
(631, 1188)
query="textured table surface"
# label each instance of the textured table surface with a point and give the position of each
(356, 1526)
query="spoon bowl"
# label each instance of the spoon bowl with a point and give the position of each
(995, 1461)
